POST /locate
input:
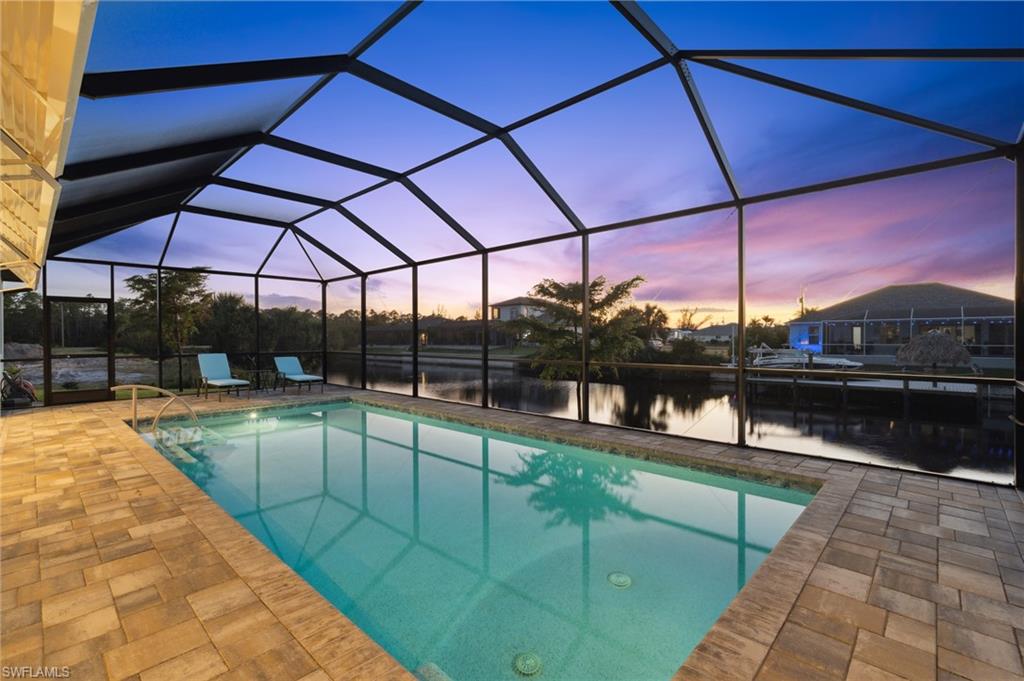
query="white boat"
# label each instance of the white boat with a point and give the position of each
(767, 357)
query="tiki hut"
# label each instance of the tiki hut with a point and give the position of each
(933, 349)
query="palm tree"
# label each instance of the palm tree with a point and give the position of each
(574, 491)
(654, 321)
(558, 331)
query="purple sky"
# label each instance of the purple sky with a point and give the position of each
(634, 151)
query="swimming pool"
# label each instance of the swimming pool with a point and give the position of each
(484, 556)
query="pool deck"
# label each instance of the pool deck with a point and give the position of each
(117, 565)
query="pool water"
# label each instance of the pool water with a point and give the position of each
(476, 555)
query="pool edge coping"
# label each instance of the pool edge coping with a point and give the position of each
(267, 575)
(754, 616)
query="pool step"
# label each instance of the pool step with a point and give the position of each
(431, 672)
(197, 438)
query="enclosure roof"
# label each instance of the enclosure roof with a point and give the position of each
(310, 125)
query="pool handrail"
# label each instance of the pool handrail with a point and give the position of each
(135, 388)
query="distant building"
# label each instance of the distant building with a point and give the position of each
(719, 333)
(879, 322)
(516, 308)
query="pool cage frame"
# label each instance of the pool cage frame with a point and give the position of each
(81, 224)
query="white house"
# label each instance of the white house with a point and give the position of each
(516, 308)
(719, 333)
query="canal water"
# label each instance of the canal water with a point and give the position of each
(968, 436)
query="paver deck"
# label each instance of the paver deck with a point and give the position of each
(118, 566)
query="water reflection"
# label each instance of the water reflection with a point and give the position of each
(572, 491)
(967, 435)
(459, 548)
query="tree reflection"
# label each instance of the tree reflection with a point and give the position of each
(646, 401)
(573, 491)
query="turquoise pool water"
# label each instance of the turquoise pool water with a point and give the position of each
(459, 549)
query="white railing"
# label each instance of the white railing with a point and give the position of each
(135, 403)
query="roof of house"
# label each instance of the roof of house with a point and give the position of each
(717, 330)
(921, 301)
(519, 300)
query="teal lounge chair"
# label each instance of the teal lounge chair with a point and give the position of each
(216, 372)
(289, 369)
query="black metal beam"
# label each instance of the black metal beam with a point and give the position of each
(1018, 323)
(330, 252)
(646, 27)
(534, 172)
(584, 383)
(485, 312)
(354, 219)
(724, 205)
(654, 35)
(207, 270)
(422, 97)
(144, 81)
(324, 80)
(415, 337)
(306, 253)
(329, 157)
(167, 241)
(708, 128)
(389, 23)
(415, 190)
(229, 215)
(269, 191)
(75, 231)
(929, 54)
(852, 102)
(587, 94)
(115, 164)
(263, 264)
(1000, 152)
(362, 334)
(741, 331)
(139, 197)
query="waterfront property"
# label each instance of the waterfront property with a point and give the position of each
(516, 308)
(571, 427)
(877, 323)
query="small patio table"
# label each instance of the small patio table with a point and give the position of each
(263, 379)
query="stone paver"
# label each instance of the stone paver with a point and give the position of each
(115, 564)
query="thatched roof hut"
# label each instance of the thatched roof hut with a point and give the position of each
(932, 349)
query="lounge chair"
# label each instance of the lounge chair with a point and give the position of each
(215, 371)
(289, 369)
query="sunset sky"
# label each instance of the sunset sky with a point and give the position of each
(634, 151)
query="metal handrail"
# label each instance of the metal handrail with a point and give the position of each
(135, 388)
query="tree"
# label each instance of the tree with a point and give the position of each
(344, 330)
(184, 301)
(230, 325)
(765, 330)
(573, 491)
(688, 351)
(653, 322)
(689, 319)
(558, 331)
(289, 329)
(23, 318)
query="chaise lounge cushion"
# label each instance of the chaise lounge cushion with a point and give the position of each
(216, 371)
(225, 382)
(303, 377)
(290, 368)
